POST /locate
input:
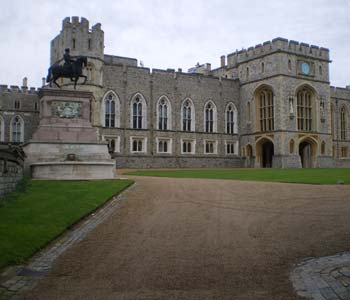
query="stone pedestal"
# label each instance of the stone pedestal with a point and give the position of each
(65, 145)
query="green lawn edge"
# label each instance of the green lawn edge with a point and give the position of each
(20, 246)
(298, 176)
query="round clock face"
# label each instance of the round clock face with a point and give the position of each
(305, 68)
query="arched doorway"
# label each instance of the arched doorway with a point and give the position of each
(265, 152)
(307, 153)
(267, 155)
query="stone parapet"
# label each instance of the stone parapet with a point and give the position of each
(277, 44)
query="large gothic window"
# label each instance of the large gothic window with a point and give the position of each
(210, 117)
(17, 127)
(110, 110)
(138, 112)
(304, 109)
(343, 124)
(164, 114)
(187, 115)
(265, 109)
(231, 119)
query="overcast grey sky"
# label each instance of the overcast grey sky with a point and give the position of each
(172, 33)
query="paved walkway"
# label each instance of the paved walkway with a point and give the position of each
(325, 278)
(194, 239)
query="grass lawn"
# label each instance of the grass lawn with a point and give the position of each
(311, 176)
(31, 218)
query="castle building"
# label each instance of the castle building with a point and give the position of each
(270, 105)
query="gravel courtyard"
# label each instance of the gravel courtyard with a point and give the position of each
(203, 239)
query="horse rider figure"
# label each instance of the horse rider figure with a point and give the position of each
(68, 61)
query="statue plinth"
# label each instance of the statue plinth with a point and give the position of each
(65, 145)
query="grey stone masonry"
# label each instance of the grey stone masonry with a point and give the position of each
(11, 168)
(325, 278)
(291, 73)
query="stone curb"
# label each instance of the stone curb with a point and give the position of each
(22, 278)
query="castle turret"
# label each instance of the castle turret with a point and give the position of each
(81, 40)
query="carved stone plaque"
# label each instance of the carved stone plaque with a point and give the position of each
(65, 109)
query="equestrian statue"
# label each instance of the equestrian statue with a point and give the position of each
(71, 68)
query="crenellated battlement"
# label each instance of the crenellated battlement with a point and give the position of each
(77, 35)
(340, 92)
(277, 44)
(82, 23)
(74, 21)
(4, 88)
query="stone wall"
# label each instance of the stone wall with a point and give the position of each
(162, 161)
(127, 81)
(342, 163)
(21, 102)
(11, 168)
(340, 100)
(274, 64)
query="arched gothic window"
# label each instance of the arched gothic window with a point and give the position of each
(343, 131)
(111, 110)
(248, 111)
(323, 147)
(210, 117)
(188, 116)
(265, 109)
(90, 71)
(138, 111)
(17, 104)
(163, 146)
(332, 120)
(231, 119)
(17, 130)
(164, 114)
(305, 99)
(249, 151)
(2, 129)
(291, 146)
(137, 145)
(111, 146)
(137, 114)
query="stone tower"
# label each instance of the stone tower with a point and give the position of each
(81, 40)
(284, 103)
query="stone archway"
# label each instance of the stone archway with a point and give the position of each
(265, 153)
(307, 153)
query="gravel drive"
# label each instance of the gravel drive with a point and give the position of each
(203, 239)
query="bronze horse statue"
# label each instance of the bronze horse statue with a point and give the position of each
(74, 72)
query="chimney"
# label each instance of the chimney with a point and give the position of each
(25, 82)
(223, 60)
(43, 81)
